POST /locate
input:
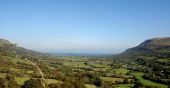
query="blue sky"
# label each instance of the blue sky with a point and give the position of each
(83, 26)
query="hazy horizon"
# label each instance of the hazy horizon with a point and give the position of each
(86, 26)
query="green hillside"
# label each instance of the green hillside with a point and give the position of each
(135, 68)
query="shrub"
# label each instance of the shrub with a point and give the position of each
(33, 83)
(2, 82)
(10, 82)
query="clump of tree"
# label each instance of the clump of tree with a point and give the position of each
(55, 85)
(138, 84)
(153, 77)
(2, 83)
(73, 82)
(33, 83)
(106, 84)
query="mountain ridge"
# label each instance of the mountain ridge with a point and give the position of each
(152, 45)
(9, 48)
(4, 42)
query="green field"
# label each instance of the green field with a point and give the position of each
(50, 81)
(126, 85)
(111, 79)
(121, 71)
(98, 65)
(148, 82)
(100, 69)
(90, 86)
(21, 80)
(74, 64)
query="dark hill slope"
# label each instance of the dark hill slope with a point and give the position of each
(9, 49)
(155, 46)
(4, 42)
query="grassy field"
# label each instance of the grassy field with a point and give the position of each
(20, 81)
(50, 81)
(100, 69)
(98, 65)
(29, 72)
(74, 64)
(111, 79)
(121, 71)
(90, 86)
(148, 82)
(126, 85)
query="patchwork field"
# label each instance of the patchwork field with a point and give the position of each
(148, 82)
(21, 80)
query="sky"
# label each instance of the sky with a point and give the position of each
(83, 26)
